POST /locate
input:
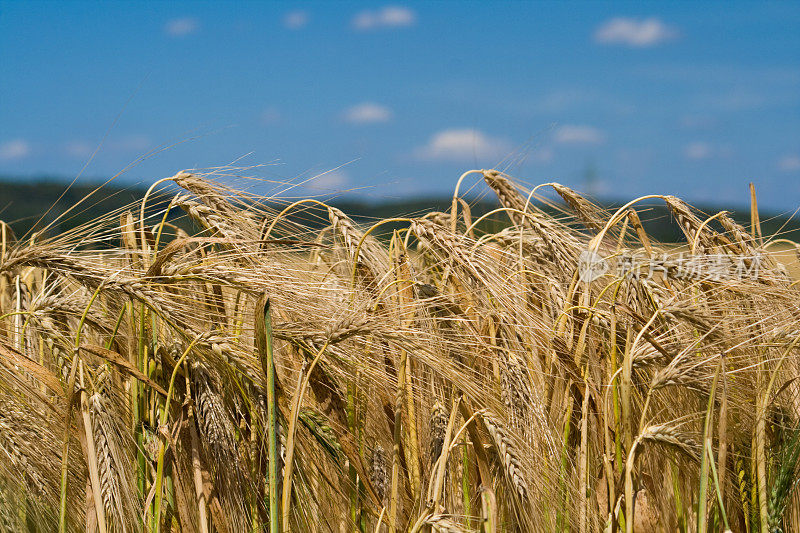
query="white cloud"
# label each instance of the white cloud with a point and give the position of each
(335, 179)
(368, 112)
(572, 134)
(270, 115)
(15, 149)
(542, 155)
(637, 33)
(295, 20)
(697, 122)
(564, 99)
(459, 144)
(386, 17)
(79, 148)
(737, 101)
(561, 100)
(182, 27)
(789, 163)
(698, 150)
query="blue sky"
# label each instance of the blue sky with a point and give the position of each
(690, 99)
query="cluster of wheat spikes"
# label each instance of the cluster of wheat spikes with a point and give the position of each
(270, 372)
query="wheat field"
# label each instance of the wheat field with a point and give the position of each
(259, 364)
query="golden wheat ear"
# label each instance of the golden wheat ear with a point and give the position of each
(264, 363)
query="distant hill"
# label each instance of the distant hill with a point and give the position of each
(23, 203)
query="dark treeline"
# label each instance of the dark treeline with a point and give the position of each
(37, 204)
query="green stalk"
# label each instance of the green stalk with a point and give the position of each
(263, 323)
(701, 504)
(398, 435)
(255, 471)
(353, 475)
(761, 413)
(116, 327)
(583, 466)
(141, 410)
(272, 423)
(62, 508)
(710, 454)
(290, 436)
(163, 446)
(676, 495)
(615, 401)
(562, 520)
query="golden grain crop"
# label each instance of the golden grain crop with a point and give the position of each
(268, 371)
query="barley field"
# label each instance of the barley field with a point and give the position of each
(258, 364)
